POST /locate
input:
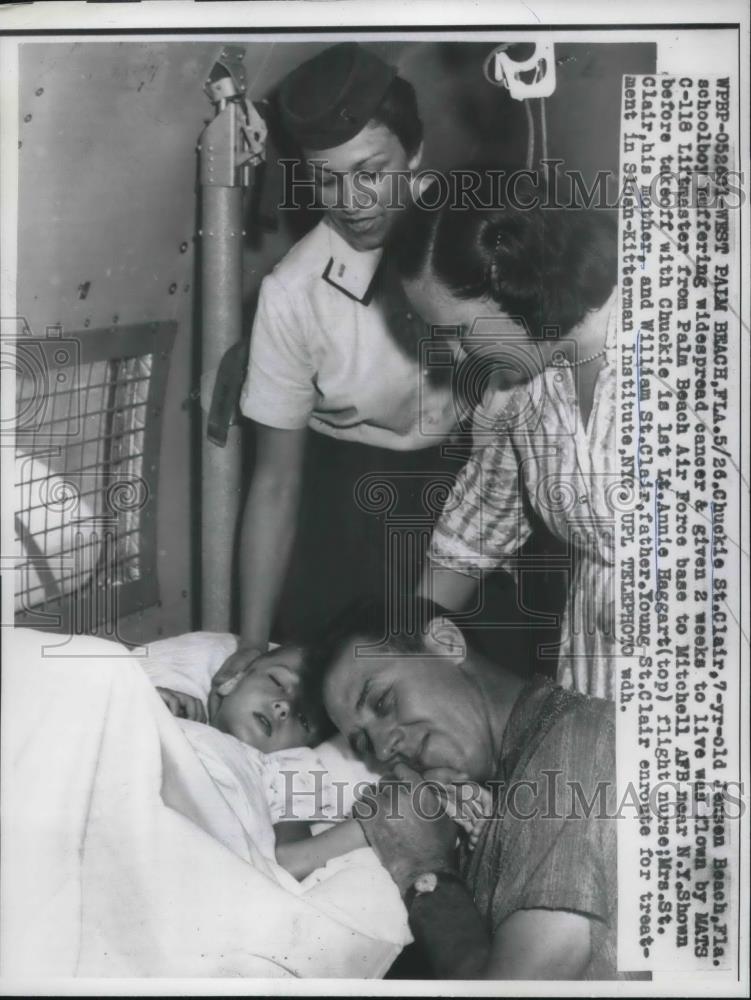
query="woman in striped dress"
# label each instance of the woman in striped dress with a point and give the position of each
(530, 292)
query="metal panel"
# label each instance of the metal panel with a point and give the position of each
(107, 212)
(108, 223)
(88, 446)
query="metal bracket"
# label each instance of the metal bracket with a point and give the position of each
(530, 77)
(235, 140)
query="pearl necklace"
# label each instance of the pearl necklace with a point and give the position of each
(582, 361)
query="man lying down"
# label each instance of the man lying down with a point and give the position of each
(262, 741)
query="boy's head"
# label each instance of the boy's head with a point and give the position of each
(274, 704)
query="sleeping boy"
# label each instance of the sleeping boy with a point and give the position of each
(269, 706)
(275, 710)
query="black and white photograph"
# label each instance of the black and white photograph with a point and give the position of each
(375, 499)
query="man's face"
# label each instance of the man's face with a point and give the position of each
(355, 183)
(419, 709)
(265, 708)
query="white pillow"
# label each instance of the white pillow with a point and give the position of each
(188, 662)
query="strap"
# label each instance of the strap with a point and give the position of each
(226, 395)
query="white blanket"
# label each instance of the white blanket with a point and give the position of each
(115, 843)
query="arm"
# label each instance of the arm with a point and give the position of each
(540, 944)
(483, 523)
(529, 944)
(268, 529)
(182, 706)
(278, 395)
(302, 857)
(454, 937)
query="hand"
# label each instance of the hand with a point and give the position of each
(469, 805)
(445, 775)
(182, 706)
(395, 822)
(227, 676)
(230, 672)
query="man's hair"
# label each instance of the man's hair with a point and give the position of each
(371, 621)
(398, 112)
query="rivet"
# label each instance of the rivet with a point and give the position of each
(39, 91)
(173, 288)
(183, 246)
(27, 118)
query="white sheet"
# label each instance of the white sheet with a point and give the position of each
(115, 856)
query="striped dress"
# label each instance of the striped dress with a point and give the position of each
(532, 452)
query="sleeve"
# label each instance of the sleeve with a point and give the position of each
(279, 387)
(483, 521)
(566, 856)
(299, 787)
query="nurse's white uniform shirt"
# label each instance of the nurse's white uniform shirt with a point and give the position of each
(321, 358)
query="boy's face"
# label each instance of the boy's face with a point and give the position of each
(265, 708)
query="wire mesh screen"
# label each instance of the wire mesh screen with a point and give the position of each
(87, 447)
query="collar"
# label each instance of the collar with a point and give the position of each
(351, 272)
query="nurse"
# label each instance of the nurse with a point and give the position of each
(348, 422)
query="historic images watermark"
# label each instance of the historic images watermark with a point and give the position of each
(313, 183)
(551, 797)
